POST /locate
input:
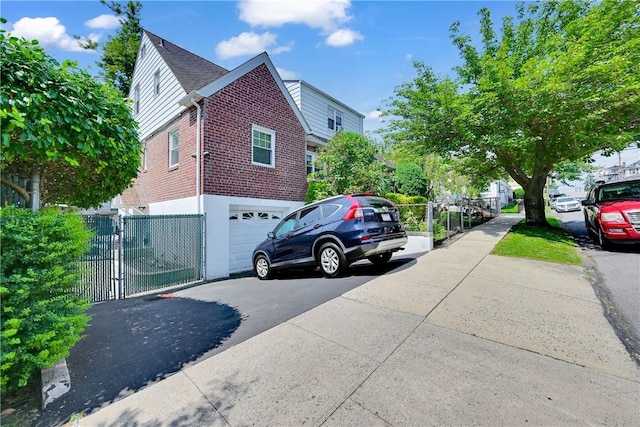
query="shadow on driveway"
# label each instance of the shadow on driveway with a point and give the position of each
(132, 343)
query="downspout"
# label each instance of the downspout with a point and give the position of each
(198, 150)
(198, 179)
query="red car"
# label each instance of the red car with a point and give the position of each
(612, 212)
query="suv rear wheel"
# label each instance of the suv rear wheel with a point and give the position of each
(331, 260)
(380, 259)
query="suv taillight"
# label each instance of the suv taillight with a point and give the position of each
(355, 211)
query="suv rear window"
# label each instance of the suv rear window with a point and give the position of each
(377, 209)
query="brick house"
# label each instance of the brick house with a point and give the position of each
(227, 143)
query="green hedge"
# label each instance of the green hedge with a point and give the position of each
(413, 217)
(42, 316)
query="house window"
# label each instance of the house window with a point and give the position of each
(143, 50)
(334, 119)
(174, 144)
(136, 99)
(156, 83)
(311, 157)
(144, 156)
(264, 142)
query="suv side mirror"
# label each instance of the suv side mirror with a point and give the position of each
(270, 235)
(587, 202)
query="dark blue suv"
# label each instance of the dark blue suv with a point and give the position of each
(332, 234)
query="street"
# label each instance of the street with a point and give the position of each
(616, 271)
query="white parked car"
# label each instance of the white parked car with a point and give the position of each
(567, 204)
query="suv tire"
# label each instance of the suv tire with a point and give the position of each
(331, 260)
(604, 243)
(262, 267)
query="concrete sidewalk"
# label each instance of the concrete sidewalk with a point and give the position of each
(461, 337)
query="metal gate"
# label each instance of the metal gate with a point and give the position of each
(97, 266)
(135, 255)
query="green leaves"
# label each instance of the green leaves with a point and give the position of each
(560, 82)
(42, 314)
(59, 120)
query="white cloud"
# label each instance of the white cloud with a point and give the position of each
(106, 22)
(374, 115)
(343, 37)
(408, 57)
(249, 44)
(287, 74)
(327, 15)
(48, 31)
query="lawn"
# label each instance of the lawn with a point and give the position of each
(552, 244)
(513, 208)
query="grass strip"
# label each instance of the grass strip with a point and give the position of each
(513, 208)
(542, 244)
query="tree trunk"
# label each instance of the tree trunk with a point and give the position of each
(534, 204)
(35, 190)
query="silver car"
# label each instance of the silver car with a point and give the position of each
(567, 204)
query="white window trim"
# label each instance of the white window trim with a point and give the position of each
(273, 146)
(136, 99)
(314, 156)
(156, 83)
(175, 131)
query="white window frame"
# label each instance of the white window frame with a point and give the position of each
(156, 83)
(136, 99)
(145, 156)
(272, 148)
(335, 119)
(174, 136)
(310, 156)
(331, 118)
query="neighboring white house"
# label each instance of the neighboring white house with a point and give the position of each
(324, 114)
(499, 189)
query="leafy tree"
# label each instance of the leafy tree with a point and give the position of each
(567, 171)
(410, 178)
(347, 164)
(557, 85)
(63, 129)
(120, 51)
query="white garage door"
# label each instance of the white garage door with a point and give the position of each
(247, 228)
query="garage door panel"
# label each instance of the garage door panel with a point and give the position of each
(247, 228)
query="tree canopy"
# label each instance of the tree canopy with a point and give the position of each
(60, 124)
(120, 50)
(559, 82)
(347, 164)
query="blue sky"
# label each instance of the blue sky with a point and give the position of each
(355, 51)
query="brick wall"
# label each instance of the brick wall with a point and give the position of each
(159, 183)
(253, 99)
(228, 115)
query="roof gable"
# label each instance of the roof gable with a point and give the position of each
(192, 71)
(240, 71)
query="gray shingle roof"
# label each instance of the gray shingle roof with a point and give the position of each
(192, 71)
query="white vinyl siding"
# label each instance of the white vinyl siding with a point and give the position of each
(315, 105)
(156, 110)
(263, 148)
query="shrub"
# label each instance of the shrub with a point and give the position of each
(318, 190)
(413, 217)
(42, 313)
(519, 193)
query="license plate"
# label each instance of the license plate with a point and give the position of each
(385, 217)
